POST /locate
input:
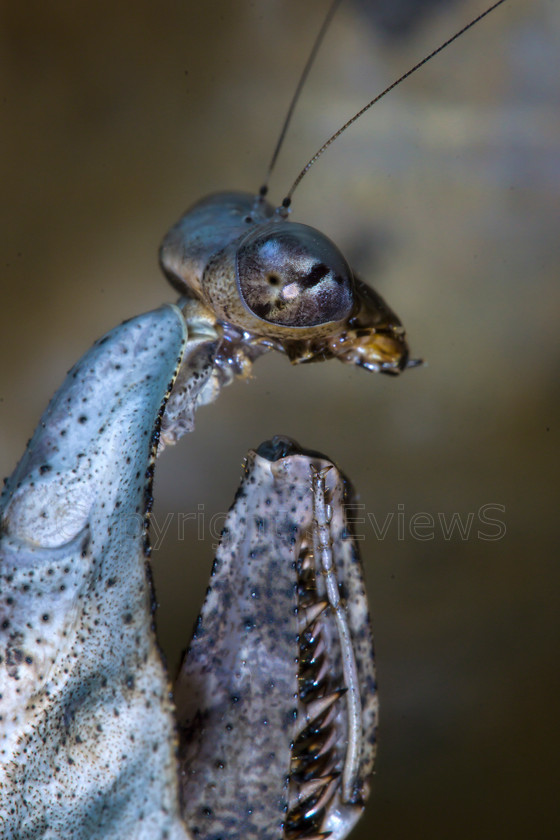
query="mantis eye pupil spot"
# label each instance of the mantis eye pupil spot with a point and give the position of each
(273, 280)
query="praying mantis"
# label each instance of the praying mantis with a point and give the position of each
(381, 399)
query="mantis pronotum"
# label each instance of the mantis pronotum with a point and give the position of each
(404, 436)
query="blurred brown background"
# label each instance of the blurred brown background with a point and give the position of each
(115, 117)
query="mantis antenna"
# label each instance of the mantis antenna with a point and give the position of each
(288, 199)
(299, 87)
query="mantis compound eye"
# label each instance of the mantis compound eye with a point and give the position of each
(270, 283)
(292, 275)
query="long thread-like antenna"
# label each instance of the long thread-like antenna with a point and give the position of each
(303, 78)
(287, 201)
